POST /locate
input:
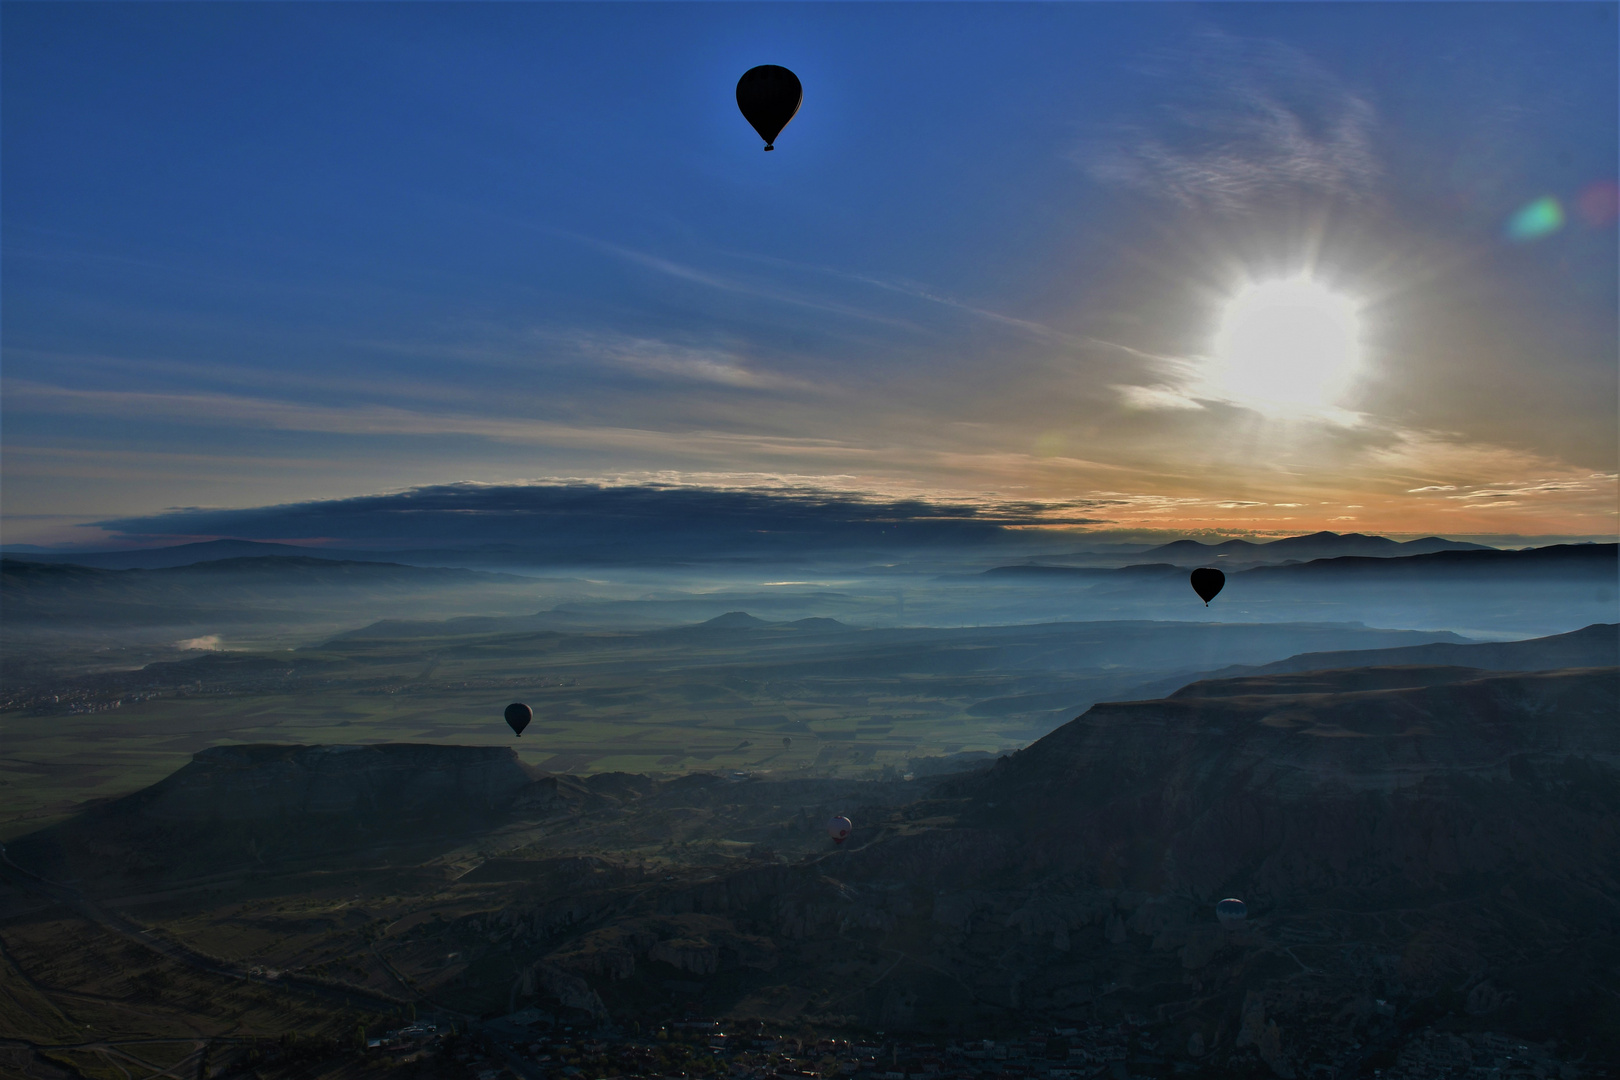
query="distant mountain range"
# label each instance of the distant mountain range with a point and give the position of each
(741, 620)
(1558, 558)
(1319, 545)
(1474, 561)
(403, 629)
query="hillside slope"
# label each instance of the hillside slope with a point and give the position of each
(262, 804)
(1340, 782)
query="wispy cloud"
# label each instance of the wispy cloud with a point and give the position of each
(653, 358)
(723, 283)
(1156, 397)
(1592, 484)
(1250, 119)
(930, 294)
(214, 410)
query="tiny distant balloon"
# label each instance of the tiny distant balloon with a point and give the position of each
(839, 829)
(518, 715)
(769, 96)
(1208, 582)
(1231, 910)
(787, 740)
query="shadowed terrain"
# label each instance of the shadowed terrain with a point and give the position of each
(1422, 850)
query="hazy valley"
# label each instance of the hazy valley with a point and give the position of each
(218, 845)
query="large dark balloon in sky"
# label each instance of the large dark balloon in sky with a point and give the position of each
(768, 97)
(1207, 583)
(519, 715)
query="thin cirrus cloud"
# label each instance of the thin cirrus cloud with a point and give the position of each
(1156, 397)
(724, 284)
(1252, 118)
(659, 359)
(930, 295)
(216, 409)
(1593, 484)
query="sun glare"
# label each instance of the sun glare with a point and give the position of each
(1292, 343)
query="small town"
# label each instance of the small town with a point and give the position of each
(531, 1045)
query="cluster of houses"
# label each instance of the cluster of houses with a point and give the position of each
(533, 1046)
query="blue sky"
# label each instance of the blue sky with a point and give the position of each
(267, 254)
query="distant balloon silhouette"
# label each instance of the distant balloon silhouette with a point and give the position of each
(787, 740)
(1231, 910)
(769, 96)
(519, 715)
(839, 829)
(1207, 583)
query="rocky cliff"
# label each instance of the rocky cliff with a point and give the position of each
(260, 804)
(1369, 781)
(402, 782)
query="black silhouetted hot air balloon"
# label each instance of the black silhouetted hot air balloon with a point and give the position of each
(839, 829)
(1207, 582)
(519, 715)
(1231, 910)
(768, 96)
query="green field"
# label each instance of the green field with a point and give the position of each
(821, 699)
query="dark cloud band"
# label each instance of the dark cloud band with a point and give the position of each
(591, 521)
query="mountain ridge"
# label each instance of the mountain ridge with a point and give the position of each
(1313, 545)
(1576, 558)
(1317, 545)
(1597, 645)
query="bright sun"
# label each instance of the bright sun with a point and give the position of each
(1292, 343)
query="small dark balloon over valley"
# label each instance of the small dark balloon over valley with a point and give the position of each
(1094, 559)
(1207, 583)
(518, 716)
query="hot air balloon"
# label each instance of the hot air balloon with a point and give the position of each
(1207, 582)
(1231, 910)
(519, 715)
(769, 96)
(839, 828)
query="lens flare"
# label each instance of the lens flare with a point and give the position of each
(1537, 219)
(1599, 203)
